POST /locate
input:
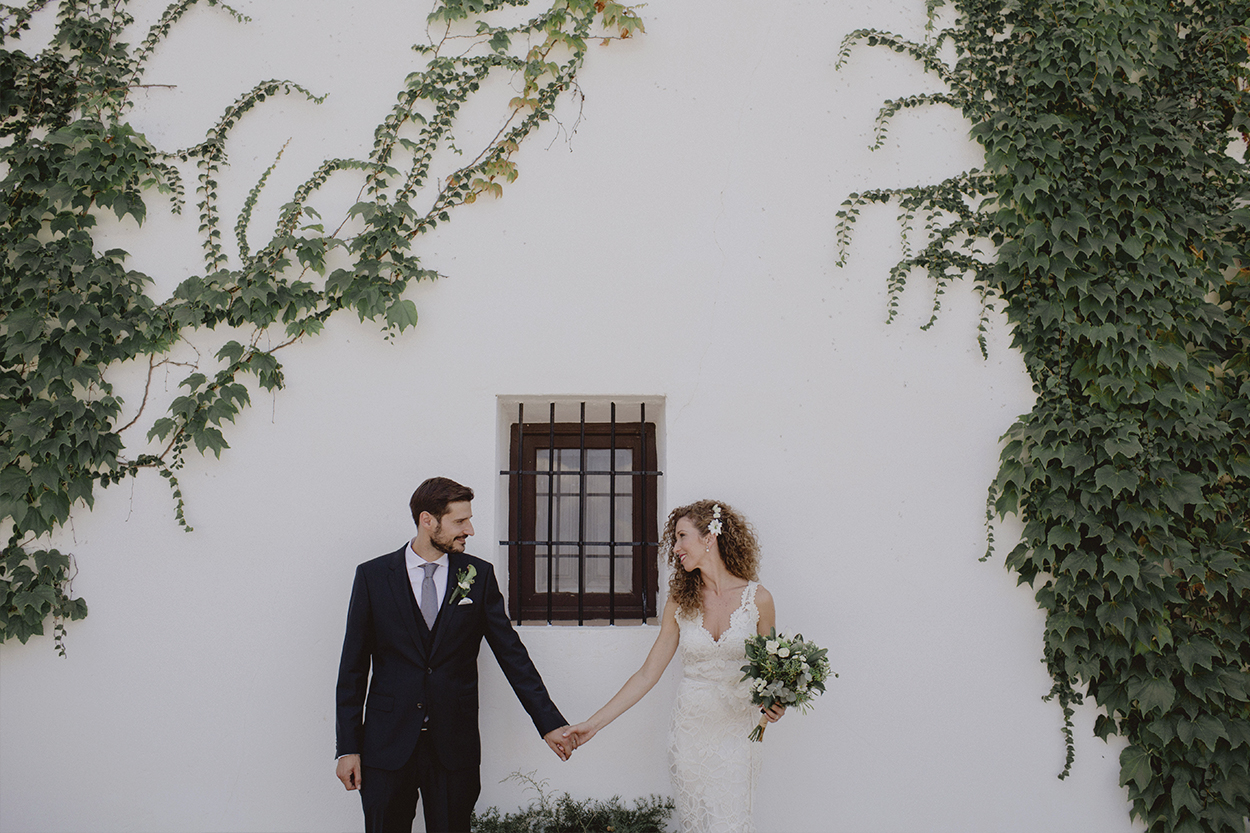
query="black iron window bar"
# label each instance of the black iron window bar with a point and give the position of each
(644, 548)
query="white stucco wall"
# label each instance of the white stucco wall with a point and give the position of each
(680, 244)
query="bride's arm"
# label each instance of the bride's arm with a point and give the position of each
(768, 611)
(768, 621)
(642, 681)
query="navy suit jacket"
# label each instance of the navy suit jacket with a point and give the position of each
(415, 674)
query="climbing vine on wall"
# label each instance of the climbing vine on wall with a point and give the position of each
(1111, 222)
(70, 314)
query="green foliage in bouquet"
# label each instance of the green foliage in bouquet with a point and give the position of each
(786, 670)
(72, 313)
(1111, 222)
(562, 814)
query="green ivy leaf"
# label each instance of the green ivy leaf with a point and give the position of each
(402, 314)
(1126, 569)
(1197, 653)
(1061, 536)
(1210, 730)
(1135, 768)
(34, 598)
(1152, 693)
(208, 438)
(1117, 480)
(1116, 615)
(51, 561)
(1183, 795)
(230, 352)
(1185, 490)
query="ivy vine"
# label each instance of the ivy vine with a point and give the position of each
(70, 313)
(1111, 222)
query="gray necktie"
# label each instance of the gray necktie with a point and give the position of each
(429, 596)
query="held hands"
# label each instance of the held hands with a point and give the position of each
(774, 712)
(348, 771)
(560, 742)
(579, 734)
(567, 738)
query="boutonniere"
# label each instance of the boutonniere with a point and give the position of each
(464, 580)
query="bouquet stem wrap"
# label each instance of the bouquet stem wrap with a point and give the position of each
(757, 734)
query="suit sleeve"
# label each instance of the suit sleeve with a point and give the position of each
(515, 661)
(354, 670)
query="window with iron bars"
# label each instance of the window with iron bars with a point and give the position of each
(583, 537)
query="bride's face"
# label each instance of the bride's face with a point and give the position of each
(690, 547)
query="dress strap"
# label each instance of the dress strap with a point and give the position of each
(748, 593)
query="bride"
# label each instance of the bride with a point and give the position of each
(714, 604)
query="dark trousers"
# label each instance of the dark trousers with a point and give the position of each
(447, 796)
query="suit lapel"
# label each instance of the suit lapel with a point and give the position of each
(401, 590)
(447, 613)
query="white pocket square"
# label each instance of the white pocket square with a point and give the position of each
(464, 602)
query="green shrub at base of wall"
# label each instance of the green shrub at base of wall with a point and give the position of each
(562, 814)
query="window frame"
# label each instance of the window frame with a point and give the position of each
(525, 543)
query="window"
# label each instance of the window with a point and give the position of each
(582, 513)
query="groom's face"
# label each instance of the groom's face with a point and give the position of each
(452, 530)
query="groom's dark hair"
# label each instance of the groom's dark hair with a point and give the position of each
(433, 496)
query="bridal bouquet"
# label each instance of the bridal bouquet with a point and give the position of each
(786, 670)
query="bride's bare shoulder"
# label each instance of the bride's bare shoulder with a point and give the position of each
(764, 599)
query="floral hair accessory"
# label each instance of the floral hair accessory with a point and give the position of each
(715, 526)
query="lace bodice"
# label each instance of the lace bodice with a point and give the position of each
(718, 660)
(713, 765)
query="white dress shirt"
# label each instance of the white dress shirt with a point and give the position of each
(416, 574)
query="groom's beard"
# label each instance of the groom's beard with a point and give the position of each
(446, 543)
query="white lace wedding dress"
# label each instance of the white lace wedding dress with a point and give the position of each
(713, 765)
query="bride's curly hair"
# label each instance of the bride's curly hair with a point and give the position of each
(738, 549)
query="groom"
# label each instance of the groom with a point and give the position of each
(416, 619)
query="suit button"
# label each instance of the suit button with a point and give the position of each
(429, 670)
(420, 706)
